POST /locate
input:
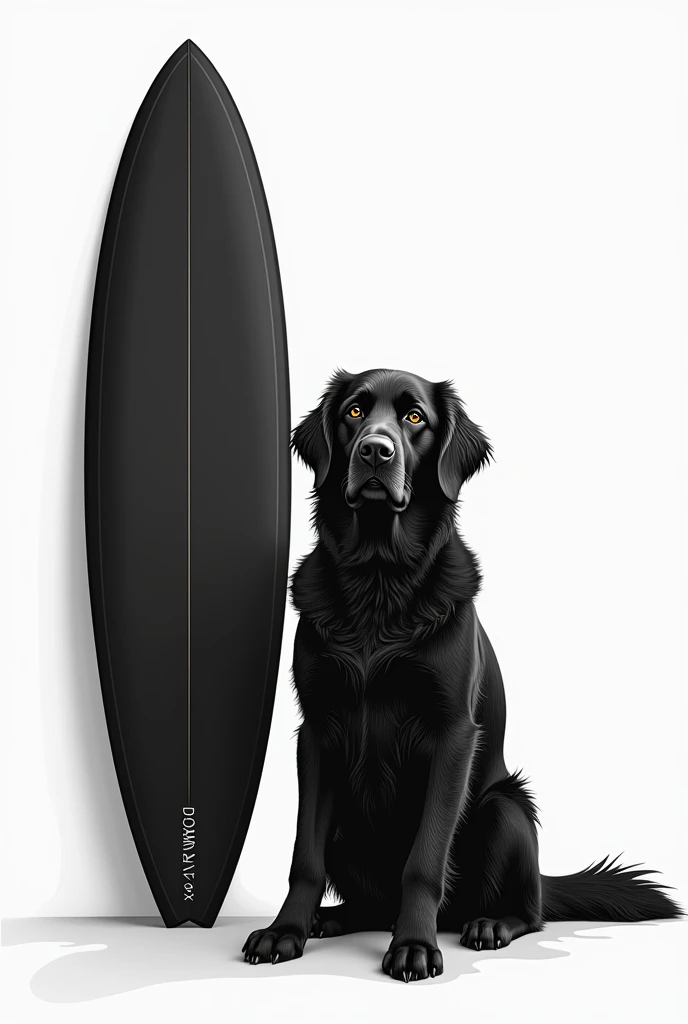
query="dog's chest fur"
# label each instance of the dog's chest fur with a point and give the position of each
(360, 672)
(364, 685)
(377, 738)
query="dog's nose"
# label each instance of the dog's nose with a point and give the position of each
(376, 449)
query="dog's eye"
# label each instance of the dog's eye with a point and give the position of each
(414, 416)
(355, 412)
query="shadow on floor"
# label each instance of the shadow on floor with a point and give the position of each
(99, 957)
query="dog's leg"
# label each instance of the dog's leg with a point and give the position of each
(286, 936)
(413, 954)
(498, 897)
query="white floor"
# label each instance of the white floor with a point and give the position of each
(102, 969)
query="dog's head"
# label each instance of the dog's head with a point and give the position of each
(380, 433)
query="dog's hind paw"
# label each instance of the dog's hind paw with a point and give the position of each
(412, 962)
(486, 933)
(326, 925)
(273, 945)
(337, 920)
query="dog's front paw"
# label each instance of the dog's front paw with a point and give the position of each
(412, 961)
(273, 945)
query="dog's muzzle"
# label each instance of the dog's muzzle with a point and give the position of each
(376, 472)
(376, 450)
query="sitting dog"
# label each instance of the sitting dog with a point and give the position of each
(406, 809)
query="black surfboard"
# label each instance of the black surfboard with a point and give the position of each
(187, 483)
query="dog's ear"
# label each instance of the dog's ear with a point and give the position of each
(312, 439)
(464, 449)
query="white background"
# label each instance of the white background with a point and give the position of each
(494, 194)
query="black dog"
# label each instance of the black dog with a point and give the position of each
(406, 808)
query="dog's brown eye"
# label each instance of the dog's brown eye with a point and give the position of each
(355, 412)
(414, 416)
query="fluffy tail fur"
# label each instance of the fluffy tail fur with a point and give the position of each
(606, 892)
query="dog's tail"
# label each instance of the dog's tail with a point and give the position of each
(606, 892)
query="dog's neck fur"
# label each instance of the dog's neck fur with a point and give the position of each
(394, 572)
